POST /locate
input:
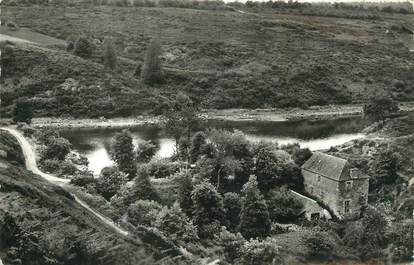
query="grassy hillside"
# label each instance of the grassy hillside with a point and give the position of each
(223, 59)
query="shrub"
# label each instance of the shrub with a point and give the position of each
(110, 181)
(56, 148)
(176, 225)
(378, 108)
(143, 212)
(161, 168)
(255, 252)
(83, 180)
(23, 111)
(320, 244)
(231, 244)
(83, 47)
(146, 150)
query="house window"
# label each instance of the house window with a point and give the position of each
(348, 185)
(346, 206)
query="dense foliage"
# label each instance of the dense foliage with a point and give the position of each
(23, 111)
(122, 152)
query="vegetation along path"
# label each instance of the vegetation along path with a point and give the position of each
(31, 165)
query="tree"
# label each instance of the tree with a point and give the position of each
(232, 205)
(378, 108)
(198, 141)
(181, 117)
(291, 175)
(270, 164)
(122, 152)
(110, 60)
(228, 160)
(151, 71)
(208, 211)
(184, 194)
(254, 215)
(368, 235)
(110, 181)
(385, 166)
(23, 111)
(143, 189)
(143, 212)
(176, 225)
(83, 47)
(146, 150)
(301, 155)
(283, 207)
(57, 148)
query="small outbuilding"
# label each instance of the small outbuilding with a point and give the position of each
(311, 208)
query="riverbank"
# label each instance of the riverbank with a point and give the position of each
(267, 115)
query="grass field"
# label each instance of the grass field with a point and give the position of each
(228, 59)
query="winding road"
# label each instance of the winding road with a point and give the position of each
(31, 165)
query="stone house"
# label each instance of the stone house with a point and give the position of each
(343, 189)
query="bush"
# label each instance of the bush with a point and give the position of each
(176, 225)
(83, 47)
(161, 168)
(12, 25)
(56, 148)
(231, 244)
(378, 108)
(110, 181)
(320, 244)
(83, 180)
(146, 150)
(23, 111)
(255, 252)
(143, 212)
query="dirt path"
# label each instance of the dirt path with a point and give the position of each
(13, 39)
(31, 165)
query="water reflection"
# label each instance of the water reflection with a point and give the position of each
(316, 135)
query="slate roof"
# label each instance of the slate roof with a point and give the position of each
(326, 165)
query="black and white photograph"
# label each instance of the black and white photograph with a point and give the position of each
(206, 132)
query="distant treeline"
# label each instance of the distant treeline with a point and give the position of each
(337, 9)
(391, 7)
(194, 4)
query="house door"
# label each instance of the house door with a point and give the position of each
(346, 206)
(315, 216)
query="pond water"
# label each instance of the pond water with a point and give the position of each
(316, 135)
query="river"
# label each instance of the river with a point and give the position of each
(316, 135)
